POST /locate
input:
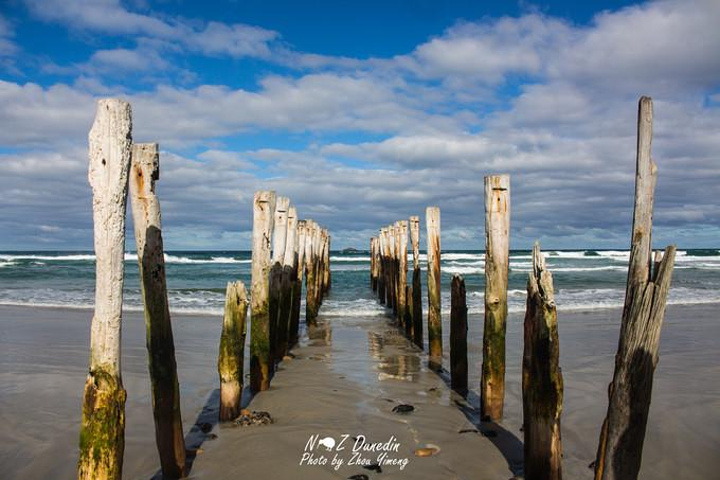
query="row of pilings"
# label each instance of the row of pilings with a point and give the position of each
(283, 249)
(619, 452)
(299, 248)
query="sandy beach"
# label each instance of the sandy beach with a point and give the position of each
(345, 380)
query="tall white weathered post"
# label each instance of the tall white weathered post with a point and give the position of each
(102, 433)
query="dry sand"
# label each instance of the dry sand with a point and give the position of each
(345, 380)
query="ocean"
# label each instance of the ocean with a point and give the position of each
(584, 279)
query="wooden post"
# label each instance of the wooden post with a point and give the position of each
(280, 223)
(458, 336)
(326, 263)
(382, 277)
(542, 382)
(310, 273)
(497, 230)
(417, 313)
(232, 351)
(373, 264)
(286, 284)
(144, 172)
(432, 220)
(621, 441)
(102, 433)
(263, 208)
(297, 292)
(392, 267)
(402, 235)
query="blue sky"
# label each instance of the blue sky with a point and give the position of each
(364, 113)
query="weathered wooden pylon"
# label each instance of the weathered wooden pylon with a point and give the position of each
(542, 382)
(458, 336)
(232, 351)
(402, 244)
(299, 269)
(435, 350)
(619, 453)
(497, 235)
(417, 311)
(263, 209)
(279, 240)
(165, 390)
(287, 282)
(102, 432)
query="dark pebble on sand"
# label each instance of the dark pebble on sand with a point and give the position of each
(469, 430)
(205, 427)
(403, 408)
(211, 436)
(374, 467)
(360, 476)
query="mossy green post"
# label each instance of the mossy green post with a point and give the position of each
(232, 351)
(263, 208)
(497, 241)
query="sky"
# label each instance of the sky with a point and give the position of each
(364, 113)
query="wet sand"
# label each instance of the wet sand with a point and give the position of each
(345, 380)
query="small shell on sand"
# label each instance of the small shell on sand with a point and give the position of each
(428, 451)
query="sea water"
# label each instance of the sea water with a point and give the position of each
(584, 279)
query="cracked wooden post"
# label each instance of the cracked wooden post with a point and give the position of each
(311, 307)
(299, 268)
(326, 264)
(619, 453)
(435, 350)
(319, 265)
(144, 172)
(232, 351)
(402, 235)
(263, 209)
(102, 432)
(392, 267)
(417, 315)
(286, 284)
(542, 382)
(497, 236)
(458, 336)
(280, 223)
(373, 264)
(381, 266)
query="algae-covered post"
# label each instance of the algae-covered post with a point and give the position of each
(286, 284)
(432, 222)
(417, 315)
(280, 224)
(263, 209)
(458, 336)
(144, 172)
(102, 432)
(232, 351)
(619, 453)
(299, 268)
(497, 229)
(542, 382)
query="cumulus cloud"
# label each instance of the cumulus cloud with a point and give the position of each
(375, 140)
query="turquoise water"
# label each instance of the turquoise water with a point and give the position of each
(584, 279)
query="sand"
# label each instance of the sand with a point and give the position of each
(345, 380)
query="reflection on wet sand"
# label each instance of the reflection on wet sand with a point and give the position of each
(320, 333)
(396, 358)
